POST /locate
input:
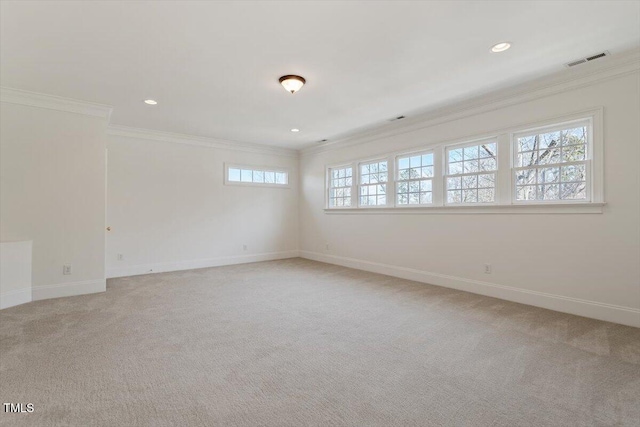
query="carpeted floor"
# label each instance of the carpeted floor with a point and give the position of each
(297, 342)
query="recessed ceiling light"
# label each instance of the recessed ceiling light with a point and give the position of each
(292, 83)
(150, 102)
(295, 130)
(500, 47)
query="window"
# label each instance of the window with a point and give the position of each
(414, 183)
(340, 183)
(552, 167)
(471, 173)
(552, 164)
(373, 183)
(258, 176)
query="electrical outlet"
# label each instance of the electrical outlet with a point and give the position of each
(66, 269)
(244, 247)
(487, 269)
(120, 257)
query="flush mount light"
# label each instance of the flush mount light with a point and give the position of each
(500, 47)
(150, 102)
(292, 83)
(295, 130)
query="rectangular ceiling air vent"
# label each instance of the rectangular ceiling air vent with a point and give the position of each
(587, 59)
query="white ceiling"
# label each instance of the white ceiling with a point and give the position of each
(214, 66)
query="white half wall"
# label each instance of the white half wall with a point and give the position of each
(586, 264)
(52, 188)
(15, 273)
(168, 207)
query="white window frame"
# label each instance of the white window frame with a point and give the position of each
(328, 186)
(390, 175)
(397, 179)
(504, 201)
(446, 175)
(588, 162)
(276, 169)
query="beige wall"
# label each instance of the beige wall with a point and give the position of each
(52, 191)
(169, 209)
(588, 264)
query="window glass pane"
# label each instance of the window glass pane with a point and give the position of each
(470, 153)
(454, 183)
(526, 192)
(488, 150)
(455, 168)
(281, 178)
(234, 174)
(574, 136)
(470, 166)
(454, 196)
(528, 158)
(527, 143)
(486, 181)
(574, 153)
(487, 164)
(258, 176)
(549, 175)
(486, 195)
(269, 177)
(246, 175)
(455, 155)
(573, 191)
(549, 140)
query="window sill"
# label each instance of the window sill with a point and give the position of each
(560, 208)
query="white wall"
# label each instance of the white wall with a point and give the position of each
(591, 267)
(52, 189)
(169, 209)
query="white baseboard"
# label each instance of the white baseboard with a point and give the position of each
(69, 289)
(596, 310)
(135, 270)
(13, 298)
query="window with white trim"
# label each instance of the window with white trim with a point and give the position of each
(373, 183)
(258, 176)
(552, 164)
(546, 166)
(340, 184)
(471, 173)
(414, 180)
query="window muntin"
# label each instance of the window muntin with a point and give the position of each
(552, 165)
(373, 183)
(471, 173)
(249, 175)
(414, 181)
(340, 183)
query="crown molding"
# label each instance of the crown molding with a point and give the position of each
(177, 138)
(52, 102)
(566, 80)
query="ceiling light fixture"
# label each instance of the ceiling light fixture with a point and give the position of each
(150, 102)
(292, 83)
(295, 130)
(500, 47)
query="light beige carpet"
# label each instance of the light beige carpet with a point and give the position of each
(297, 343)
